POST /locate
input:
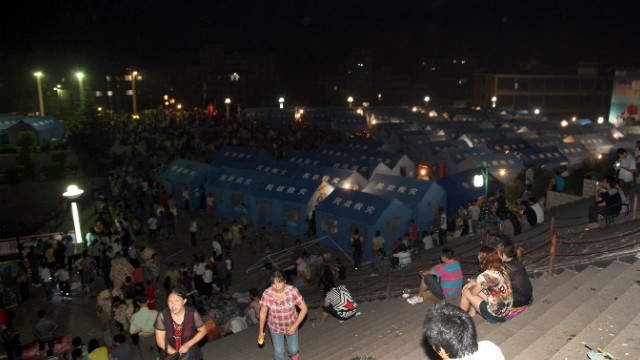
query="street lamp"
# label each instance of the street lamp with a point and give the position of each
(80, 76)
(494, 100)
(350, 100)
(227, 101)
(482, 179)
(38, 75)
(72, 193)
(426, 101)
(281, 101)
(133, 92)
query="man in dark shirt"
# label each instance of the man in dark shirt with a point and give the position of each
(529, 214)
(607, 202)
(487, 214)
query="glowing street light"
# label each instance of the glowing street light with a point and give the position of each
(564, 123)
(426, 101)
(536, 111)
(80, 76)
(601, 120)
(281, 101)
(38, 75)
(227, 101)
(494, 101)
(72, 193)
(350, 100)
(483, 178)
(134, 74)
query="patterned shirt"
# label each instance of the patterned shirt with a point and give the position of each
(450, 275)
(341, 300)
(497, 288)
(282, 313)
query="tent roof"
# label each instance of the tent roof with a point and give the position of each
(363, 144)
(240, 155)
(497, 160)
(355, 205)
(275, 167)
(285, 189)
(235, 179)
(507, 144)
(6, 121)
(185, 170)
(330, 175)
(304, 157)
(461, 153)
(406, 189)
(43, 122)
(544, 155)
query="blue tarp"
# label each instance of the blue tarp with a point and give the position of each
(345, 210)
(304, 157)
(423, 197)
(6, 121)
(183, 173)
(240, 156)
(290, 201)
(231, 187)
(276, 167)
(460, 189)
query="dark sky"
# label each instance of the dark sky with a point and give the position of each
(143, 33)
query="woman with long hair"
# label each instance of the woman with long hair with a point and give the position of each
(179, 327)
(490, 294)
(511, 256)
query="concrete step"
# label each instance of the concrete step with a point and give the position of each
(606, 325)
(378, 333)
(543, 315)
(593, 299)
(625, 345)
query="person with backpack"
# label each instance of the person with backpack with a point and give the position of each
(357, 244)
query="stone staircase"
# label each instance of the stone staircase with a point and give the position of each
(596, 304)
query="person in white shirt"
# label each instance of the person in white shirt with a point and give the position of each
(452, 334)
(626, 166)
(535, 205)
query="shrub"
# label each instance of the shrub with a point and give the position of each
(14, 174)
(53, 171)
(8, 149)
(59, 157)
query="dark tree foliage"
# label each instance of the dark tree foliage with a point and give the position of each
(90, 137)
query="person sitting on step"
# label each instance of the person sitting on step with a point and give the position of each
(448, 272)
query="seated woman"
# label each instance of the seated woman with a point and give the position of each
(511, 256)
(404, 256)
(337, 299)
(490, 294)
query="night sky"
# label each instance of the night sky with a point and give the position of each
(314, 36)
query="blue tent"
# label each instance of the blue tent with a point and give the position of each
(512, 144)
(365, 144)
(424, 198)
(334, 150)
(335, 177)
(548, 157)
(450, 157)
(230, 187)
(460, 188)
(278, 200)
(345, 210)
(6, 121)
(364, 167)
(243, 157)
(399, 164)
(183, 173)
(46, 128)
(574, 152)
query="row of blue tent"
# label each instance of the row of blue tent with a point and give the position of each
(295, 197)
(46, 128)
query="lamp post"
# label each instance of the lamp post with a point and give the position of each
(38, 75)
(494, 101)
(80, 76)
(483, 178)
(72, 193)
(281, 101)
(350, 100)
(426, 101)
(133, 92)
(227, 101)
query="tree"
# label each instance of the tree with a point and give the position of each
(27, 142)
(90, 137)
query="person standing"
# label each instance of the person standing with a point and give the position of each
(357, 244)
(210, 203)
(193, 229)
(442, 231)
(626, 166)
(33, 256)
(529, 175)
(279, 302)
(142, 323)
(47, 282)
(185, 198)
(377, 244)
(44, 329)
(179, 328)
